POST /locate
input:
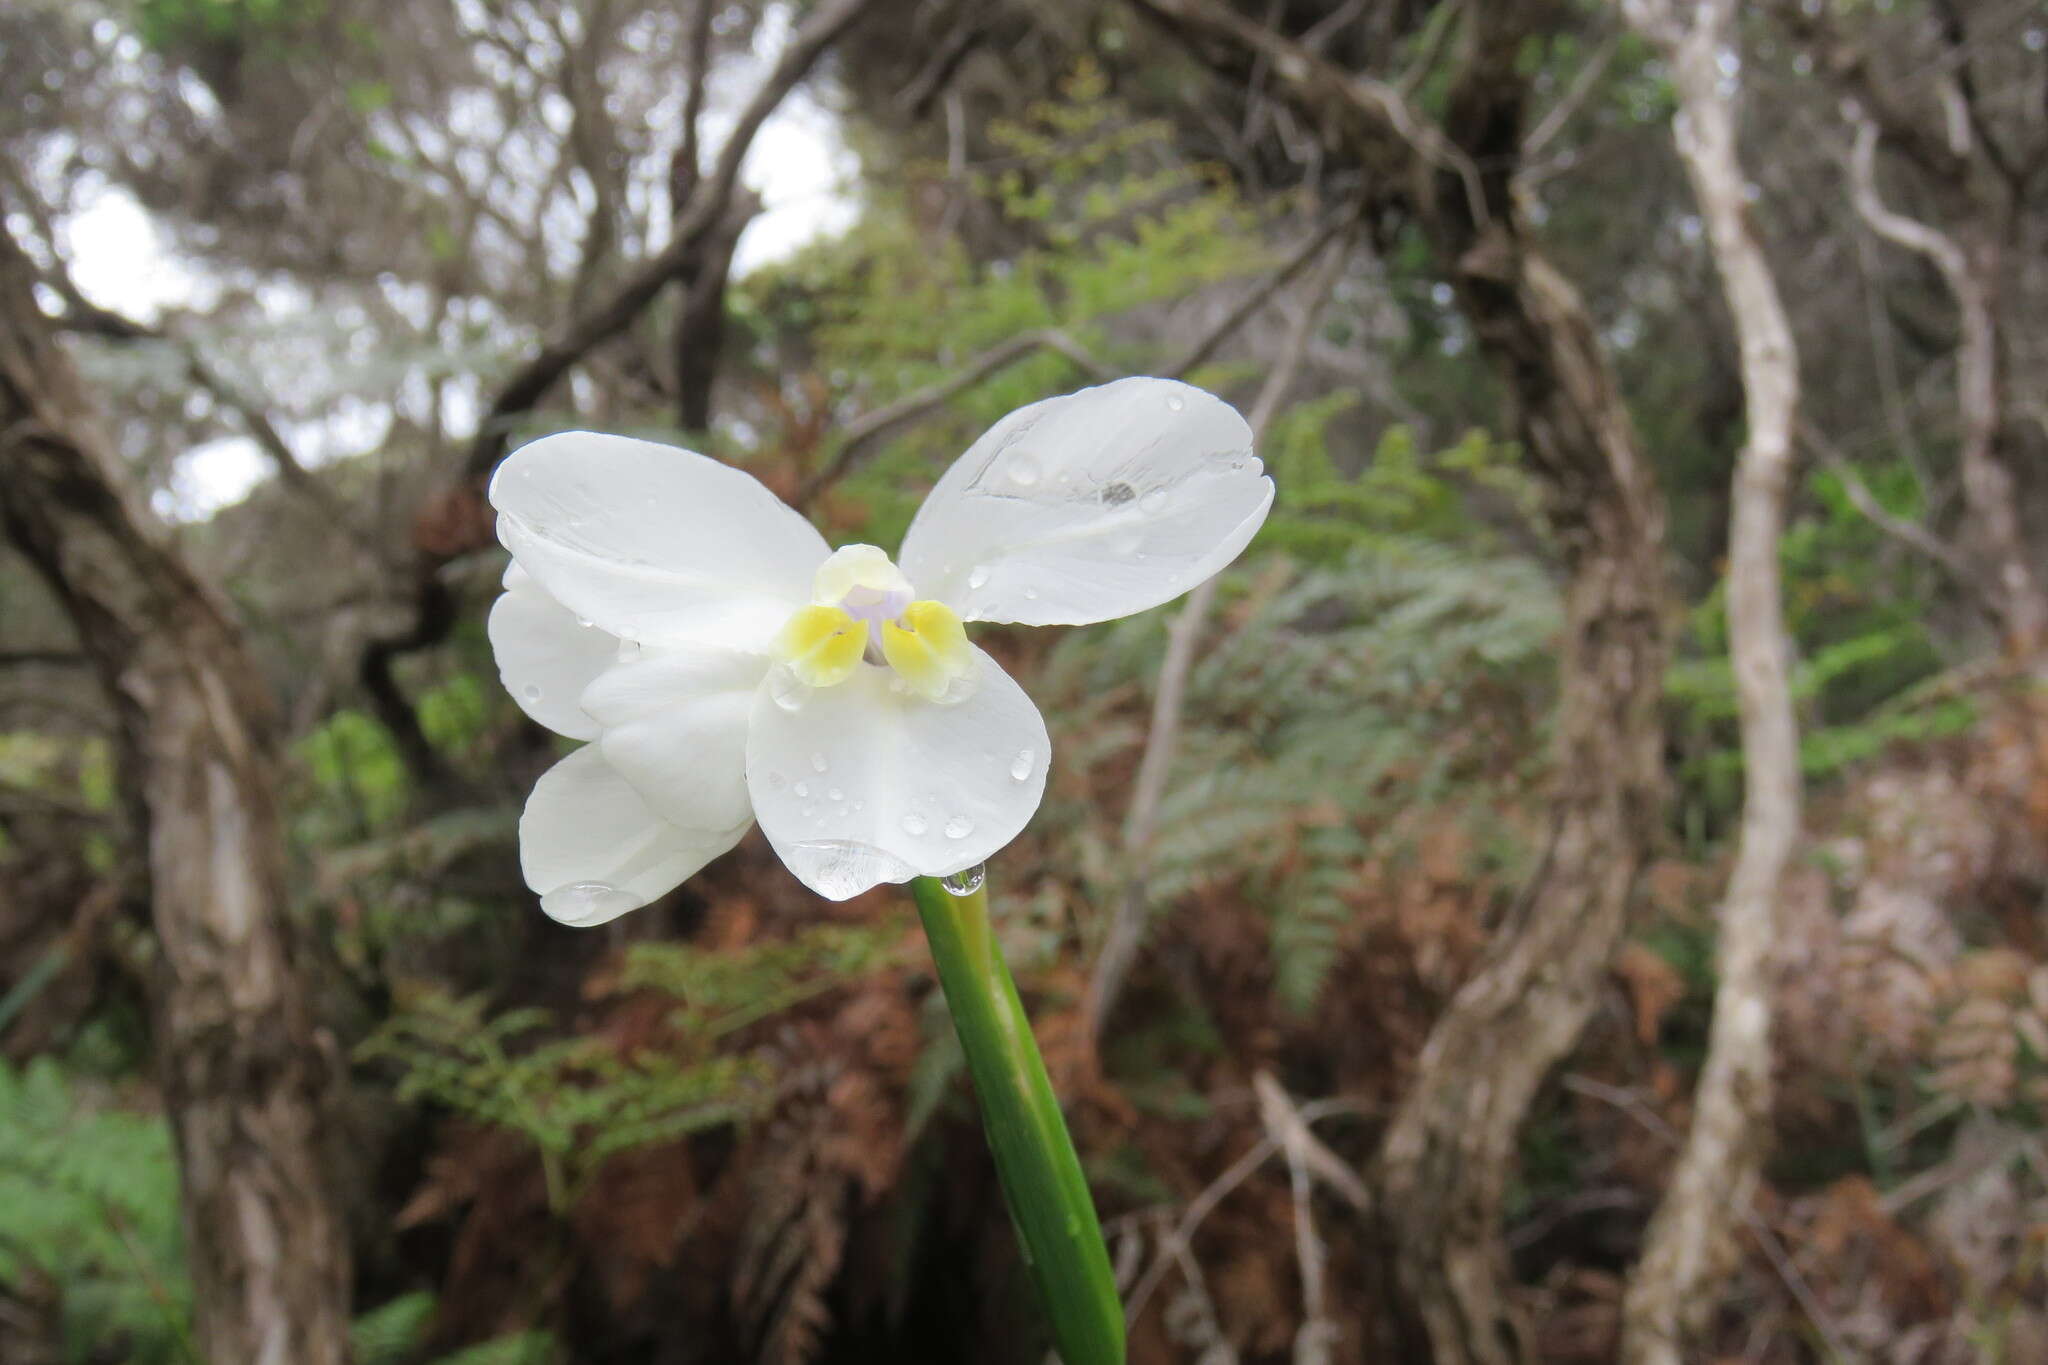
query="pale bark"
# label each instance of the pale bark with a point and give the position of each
(1691, 1244)
(240, 1070)
(1970, 270)
(1450, 1146)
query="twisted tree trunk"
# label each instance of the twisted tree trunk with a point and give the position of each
(1691, 1243)
(1447, 1153)
(234, 1044)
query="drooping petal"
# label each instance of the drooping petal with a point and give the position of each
(1092, 506)
(676, 729)
(862, 783)
(546, 657)
(653, 543)
(593, 849)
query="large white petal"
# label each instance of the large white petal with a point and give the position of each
(861, 784)
(593, 849)
(1091, 506)
(546, 657)
(676, 728)
(653, 543)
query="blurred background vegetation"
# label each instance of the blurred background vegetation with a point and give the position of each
(734, 1126)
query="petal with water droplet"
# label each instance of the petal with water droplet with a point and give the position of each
(594, 849)
(546, 657)
(1137, 491)
(921, 800)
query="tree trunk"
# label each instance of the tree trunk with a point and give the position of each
(1445, 1158)
(238, 1063)
(1447, 1154)
(1691, 1244)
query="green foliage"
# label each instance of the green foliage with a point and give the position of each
(89, 1203)
(1323, 513)
(357, 773)
(1113, 218)
(724, 990)
(575, 1099)
(170, 24)
(1866, 655)
(1359, 696)
(393, 1333)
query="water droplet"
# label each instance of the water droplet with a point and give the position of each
(584, 621)
(786, 689)
(1023, 470)
(914, 824)
(1031, 594)
(818, 763)
(1174, 402)
(845, 867)
(803, 789)
(629, 650)
(1020, 766)
(979, 577)
(967, 881)
(531, 692)
(581, 903)
(959, 827)
(834, 794)
(776, 782)
(1153, 503)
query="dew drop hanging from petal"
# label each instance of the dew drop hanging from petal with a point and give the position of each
(967, 881)
(588, 902)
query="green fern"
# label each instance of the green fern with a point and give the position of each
(89, 1203)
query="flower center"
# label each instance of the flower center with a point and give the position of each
(863, 610)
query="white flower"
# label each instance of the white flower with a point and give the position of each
(729, 667)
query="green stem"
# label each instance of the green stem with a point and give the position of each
(1041, 1175)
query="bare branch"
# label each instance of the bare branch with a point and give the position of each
(696, 220)
(1908, 533)
(862, 435)
(1206, 345)
(1691, 1244)
(1162, 736)
(83, 315)
(1988, 485)
(1559, 115)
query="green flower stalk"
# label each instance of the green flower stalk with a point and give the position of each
(1035, 1160)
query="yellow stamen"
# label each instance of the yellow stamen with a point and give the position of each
(928, 648)
(822, 645)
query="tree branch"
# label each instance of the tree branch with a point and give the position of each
(697, 220)
(1162, 735)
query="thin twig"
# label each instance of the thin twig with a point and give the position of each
(1909, 533)
(1155, 766)
(864, 433)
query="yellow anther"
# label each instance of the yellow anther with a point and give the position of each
(822, 645)
(928, 648)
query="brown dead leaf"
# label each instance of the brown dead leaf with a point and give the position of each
(1653, 987)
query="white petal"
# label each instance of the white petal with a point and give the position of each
(1092, 506)
(676, 728)
(862, 784)
(546, 657)
(592, 848)
(653, 543)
